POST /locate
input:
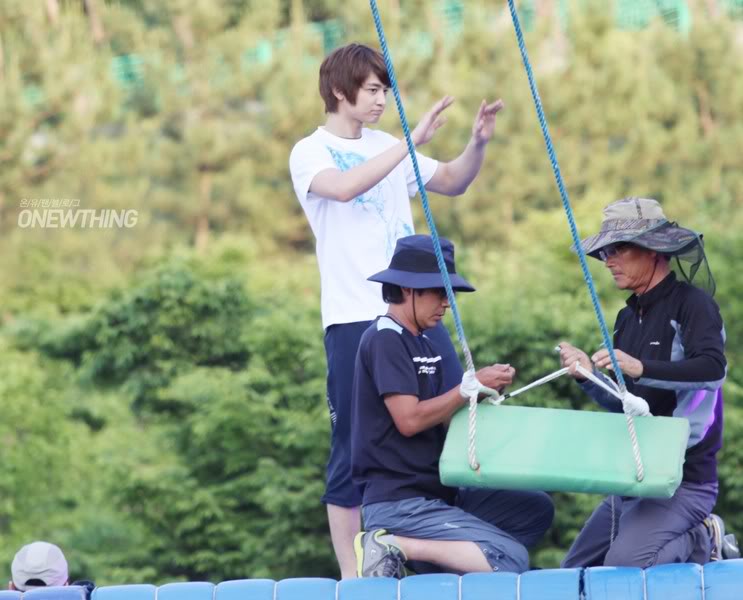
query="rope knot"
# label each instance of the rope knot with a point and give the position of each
(470, 385)
(634, 405)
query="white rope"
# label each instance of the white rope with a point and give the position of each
(629, 401)
(625, 398)
(606, 384)
(471, 447)
(639, 469)
(470, 389)
(536, 383)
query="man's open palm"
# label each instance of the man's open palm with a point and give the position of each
(431, 121)
(484, 126)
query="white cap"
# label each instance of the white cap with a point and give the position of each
(39, 560)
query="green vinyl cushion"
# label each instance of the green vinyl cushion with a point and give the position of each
(549, 449)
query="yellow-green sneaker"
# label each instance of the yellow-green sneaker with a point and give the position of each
(375, 558)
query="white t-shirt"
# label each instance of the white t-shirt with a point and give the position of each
(355, 239)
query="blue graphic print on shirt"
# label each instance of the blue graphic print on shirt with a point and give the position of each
(395, 227)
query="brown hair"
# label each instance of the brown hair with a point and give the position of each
(345, 69)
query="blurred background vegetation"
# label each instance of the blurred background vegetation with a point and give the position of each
(162, 386)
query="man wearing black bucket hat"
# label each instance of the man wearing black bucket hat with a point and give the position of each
(669, 342)
(399, 415)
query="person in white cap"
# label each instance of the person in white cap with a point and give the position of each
(38, 564)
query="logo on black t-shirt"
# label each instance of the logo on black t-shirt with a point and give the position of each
(428, 366)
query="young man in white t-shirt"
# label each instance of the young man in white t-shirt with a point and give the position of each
(355, 185)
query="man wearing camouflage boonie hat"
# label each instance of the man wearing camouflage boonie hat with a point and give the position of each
(669, 343)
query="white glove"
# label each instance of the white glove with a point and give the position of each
(470, 385)
(635, 406)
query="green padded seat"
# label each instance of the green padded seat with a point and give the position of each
(549, 449)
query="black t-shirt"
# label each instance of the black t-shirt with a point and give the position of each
(677, 332)
(388, 465)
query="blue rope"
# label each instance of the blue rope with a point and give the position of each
(421, 187)
(564, 196)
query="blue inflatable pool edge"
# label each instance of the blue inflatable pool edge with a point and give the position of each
(714, 581)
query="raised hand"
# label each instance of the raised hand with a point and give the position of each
(431, 121)
(484, 126)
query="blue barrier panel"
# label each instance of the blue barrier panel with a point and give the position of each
(716, 581)
(8, 594)
(245, 589)
(375, 588)
(427, 587)
(490, 586)
(609, 583)
(306, 588)
(724, 580)
(679, 582)
(125, 592)
(72, 592)
(550, 584)
(198, 590)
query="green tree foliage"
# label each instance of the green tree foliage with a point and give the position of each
(163, 385)
(149, 335)
(230, 397)
(36, 436)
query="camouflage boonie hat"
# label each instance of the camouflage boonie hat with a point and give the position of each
(640, 221)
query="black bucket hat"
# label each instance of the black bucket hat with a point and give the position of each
(640, 221)
(414, 265)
